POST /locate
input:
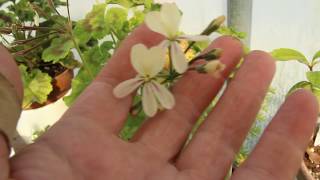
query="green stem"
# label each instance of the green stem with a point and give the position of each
(84, 61)
(171, 70)
(26, 51)
(113, 38)
(189, 47)
(68, 9)
(115, 34)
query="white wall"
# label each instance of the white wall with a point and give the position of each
(287, 23)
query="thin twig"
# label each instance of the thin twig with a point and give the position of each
(18, 42)
(68, 9)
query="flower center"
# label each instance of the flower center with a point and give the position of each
(147, 78)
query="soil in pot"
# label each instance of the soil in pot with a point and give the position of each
(61, 83)
(312, 161)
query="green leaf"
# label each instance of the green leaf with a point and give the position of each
(94, 22)
(116, 17)
(37, 86)
(230, 31)
(132, 125)
(300, 85)
(148, 4)
(80, 33)
(316, 92)
(285, 54)
(314, 78)
(22, 10)
(6, 18)
(58, 50)
(136, 20)
(316, 57)
(124, 3)
(96, 58)
(70, 62)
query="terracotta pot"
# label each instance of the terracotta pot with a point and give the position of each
(61, 85)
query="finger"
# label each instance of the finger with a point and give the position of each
(98, 103)
(279, 153)
(4, 157)
(9, 69)
(11, 94)
(168, 131)
(213, 148)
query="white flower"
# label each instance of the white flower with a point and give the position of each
(167, 23)
(148, 63)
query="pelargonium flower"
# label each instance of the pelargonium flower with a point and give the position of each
(167, 23)
(148, 63)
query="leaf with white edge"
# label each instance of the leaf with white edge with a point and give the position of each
(58, 50)
(314, 78)
(116, 17)
(37, 86)
(300, 85)
(124, 3)
(94, 22)
(285, 54)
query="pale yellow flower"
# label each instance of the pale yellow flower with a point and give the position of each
(148, 63)
(167, 23)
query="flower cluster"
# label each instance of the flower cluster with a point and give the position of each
(154, 80)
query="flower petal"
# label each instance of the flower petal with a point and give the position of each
(137, 57)
(147, 62)
(154, 22)
(157, 57)
(171, 18)
(165, 44)
(163, 95)
(194, 37)
(179, 61)
(149, 102)
(127, 87)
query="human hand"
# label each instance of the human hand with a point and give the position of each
(84, 144)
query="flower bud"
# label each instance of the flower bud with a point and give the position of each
(214, 25)
(213, 55)
(214, 68)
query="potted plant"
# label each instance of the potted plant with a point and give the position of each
(310, 168)
(42, 42)
(32, 31)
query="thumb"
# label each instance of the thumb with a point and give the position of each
(4, 157)
(11, 93)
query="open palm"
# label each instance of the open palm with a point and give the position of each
(84, 144)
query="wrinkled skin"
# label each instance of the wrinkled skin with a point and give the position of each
(84, 144)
